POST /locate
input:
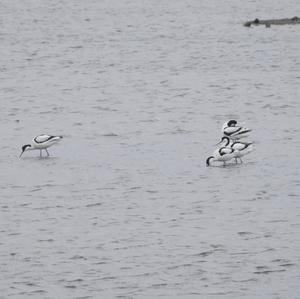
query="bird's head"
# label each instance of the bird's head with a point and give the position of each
(208, 160)
(25, 148)
(232, 123)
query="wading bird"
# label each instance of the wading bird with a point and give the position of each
(41, 142)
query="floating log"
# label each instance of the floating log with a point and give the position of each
(268, 23)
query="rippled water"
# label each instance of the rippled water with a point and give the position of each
(125, 207)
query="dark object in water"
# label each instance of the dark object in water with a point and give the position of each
(268, 23)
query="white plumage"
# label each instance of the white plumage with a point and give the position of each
(240, 148)
(234, 132)
(41, 142)
(230, 146)
(223, 154)
(238, 154)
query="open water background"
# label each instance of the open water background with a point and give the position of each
(125, 207)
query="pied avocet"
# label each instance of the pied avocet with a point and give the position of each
(41, 142)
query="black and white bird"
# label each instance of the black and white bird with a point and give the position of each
(240, 148)
(41, 142)
(233, 131)
(223, 154)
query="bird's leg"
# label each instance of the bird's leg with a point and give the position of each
(47, 152)
(224, 163)
(235, 160)
(241, 160)
(40, 153)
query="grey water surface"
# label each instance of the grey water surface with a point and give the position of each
(124, 207)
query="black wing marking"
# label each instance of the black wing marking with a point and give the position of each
(233, 132)
(243, 132)
(49, 138)
(247, 145)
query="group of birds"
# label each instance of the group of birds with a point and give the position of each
(230, 146)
